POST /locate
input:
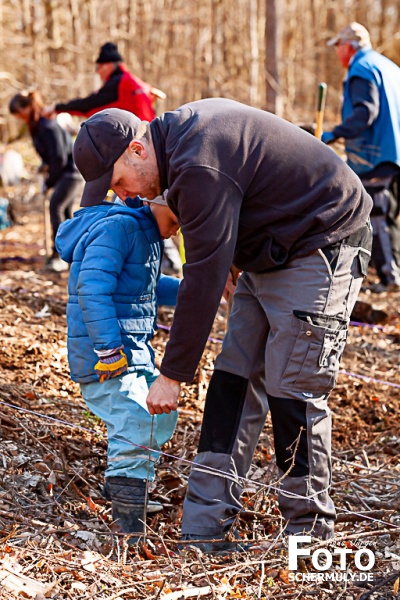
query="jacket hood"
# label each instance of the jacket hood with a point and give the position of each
(71, 231)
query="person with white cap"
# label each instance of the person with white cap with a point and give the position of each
(371, 130)
(114, 286)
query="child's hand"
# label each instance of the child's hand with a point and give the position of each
(111, 366)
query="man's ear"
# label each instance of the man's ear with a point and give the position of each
(137, 148)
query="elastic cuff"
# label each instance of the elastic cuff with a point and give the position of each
(110, 352)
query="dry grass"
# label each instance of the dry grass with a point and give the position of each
(57, 539)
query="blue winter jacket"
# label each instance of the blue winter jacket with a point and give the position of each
(115, 254)
(381, 141)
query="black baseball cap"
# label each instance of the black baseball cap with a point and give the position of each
(101, 140)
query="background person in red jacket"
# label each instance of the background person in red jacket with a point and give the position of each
(120, 89)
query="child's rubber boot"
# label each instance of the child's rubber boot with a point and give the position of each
(127, 497)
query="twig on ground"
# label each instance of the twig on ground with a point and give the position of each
(379, 585)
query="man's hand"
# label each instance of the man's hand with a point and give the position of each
(328, 137)
(111, 366)
(163, 395)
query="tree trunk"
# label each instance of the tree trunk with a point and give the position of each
(273, 55)
(254, 53)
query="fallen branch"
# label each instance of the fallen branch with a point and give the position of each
(380, 584)
(363, 516)
(188, 593)
(19, 584)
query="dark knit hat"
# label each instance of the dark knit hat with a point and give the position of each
(109, 53)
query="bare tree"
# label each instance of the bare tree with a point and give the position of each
(270, 54)
(273, 55)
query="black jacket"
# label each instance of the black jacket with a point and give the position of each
(54, 146)
(250, 189)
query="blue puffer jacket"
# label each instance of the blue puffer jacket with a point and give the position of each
(380, 142)
(115, 254)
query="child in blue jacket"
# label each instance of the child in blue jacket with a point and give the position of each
(114, 286)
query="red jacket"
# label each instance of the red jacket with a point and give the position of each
(121, 90)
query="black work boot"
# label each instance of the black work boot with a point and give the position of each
(212, 544)
(127, 497)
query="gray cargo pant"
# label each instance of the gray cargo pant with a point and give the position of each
(286, 335)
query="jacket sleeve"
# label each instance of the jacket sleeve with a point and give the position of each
(55, 152)
(107, 248)
(141, 105)
(364, 97)
(167, 290)
(208, 204)
(103, 97)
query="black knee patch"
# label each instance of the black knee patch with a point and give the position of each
(222, 412)
(288, 417)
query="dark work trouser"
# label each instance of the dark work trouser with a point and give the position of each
(386, 231)
(287, 332)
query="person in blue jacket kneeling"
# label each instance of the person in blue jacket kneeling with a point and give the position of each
(114, 287)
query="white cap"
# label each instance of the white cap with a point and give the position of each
(355, 32)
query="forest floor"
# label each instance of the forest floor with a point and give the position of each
(56, 535)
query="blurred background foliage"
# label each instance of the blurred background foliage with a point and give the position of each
(267, 53)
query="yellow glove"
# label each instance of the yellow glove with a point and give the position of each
(111, 366)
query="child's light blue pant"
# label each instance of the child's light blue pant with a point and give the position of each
(121, 404)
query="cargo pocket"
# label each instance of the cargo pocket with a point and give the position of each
(363, 261)
(318, 344)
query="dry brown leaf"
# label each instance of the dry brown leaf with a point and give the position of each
(396, 586)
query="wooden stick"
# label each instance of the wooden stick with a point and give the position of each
(322, 87)
(47, 226)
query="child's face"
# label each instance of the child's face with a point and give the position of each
(167, 222)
